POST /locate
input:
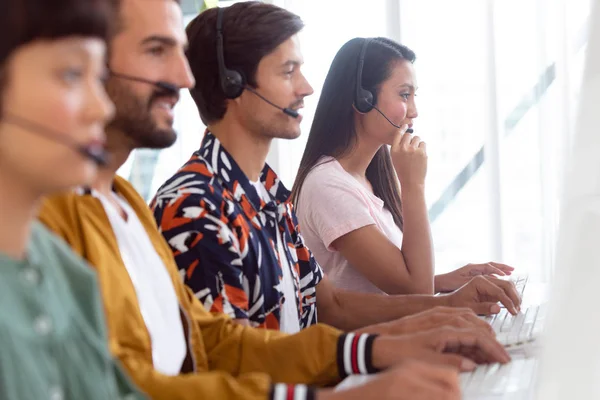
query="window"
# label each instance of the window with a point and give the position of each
(493, 187)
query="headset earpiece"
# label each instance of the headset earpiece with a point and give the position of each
(232, 82)
(364, 100)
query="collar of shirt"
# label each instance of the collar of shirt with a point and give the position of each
(228, 171)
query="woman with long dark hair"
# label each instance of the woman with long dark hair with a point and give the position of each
(359, 192)
(53, 108)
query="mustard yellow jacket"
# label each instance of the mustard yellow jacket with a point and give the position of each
(225, 360)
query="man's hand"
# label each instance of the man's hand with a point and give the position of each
(460, 318)
(412, 380)
(482, 294)
(458, 348)
(457, 278)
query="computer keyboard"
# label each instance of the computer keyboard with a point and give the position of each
(508, 381)
(493, 381)
(520, 283)
(521, 328)
(515, 380)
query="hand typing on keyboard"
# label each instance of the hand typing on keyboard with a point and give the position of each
(458, 348)
(482, 294)
(437, 317)
(455, 279)
(412, 380)
(509, 381)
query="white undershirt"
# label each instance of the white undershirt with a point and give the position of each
(153, 286)
(288, 322)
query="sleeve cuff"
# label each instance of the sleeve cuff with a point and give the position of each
(332, 234)
(355, 354)
(281, 391)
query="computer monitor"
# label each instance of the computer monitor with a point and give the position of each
(570, 360)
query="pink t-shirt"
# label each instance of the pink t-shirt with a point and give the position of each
(333, 203)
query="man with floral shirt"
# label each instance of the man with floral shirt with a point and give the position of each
(243, 226)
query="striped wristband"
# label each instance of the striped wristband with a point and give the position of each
(281, 391)
(355, 354)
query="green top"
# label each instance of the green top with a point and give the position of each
(53, 342)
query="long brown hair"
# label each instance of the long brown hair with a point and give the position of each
(333, 132)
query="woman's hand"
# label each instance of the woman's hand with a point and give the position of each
(455, 279)
(409, 156)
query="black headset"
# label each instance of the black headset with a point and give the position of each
(364, 100)
(232, 81)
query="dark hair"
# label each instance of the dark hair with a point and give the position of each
(118, 23)
(333, 132)
(24, 21)
(251, 31)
